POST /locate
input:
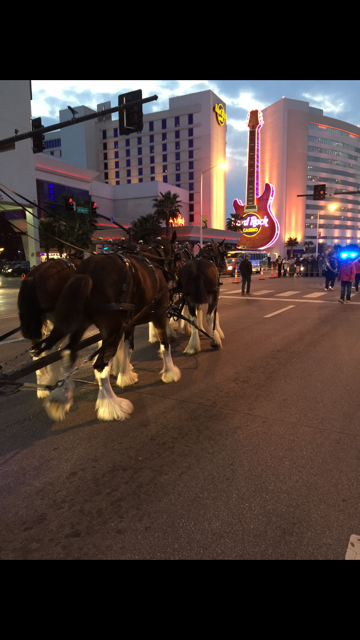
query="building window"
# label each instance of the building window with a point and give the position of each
(105, 156)
(117, 181)
(104, 134)
(152, 148)
(191, 186)
(128, 181)
(139, 162)
(164, 178)
(116, 154)
(191, 143)
(104, 146)
(116, 144)
(177, 177)
(152, 170)
(191, 155)
(127, 142)
(140, 180)
(177, 156)
(191, 207)
(191, 175)
(140, 172)
(164, 157)
(177, 145)
(177, 166)
(164, 147)
(115, 132)
(151, 139)
(152, 159)
(151, 126)
(128, 153)
(177, 122)
(191, 217)
(164, 168)
(106, 175)
(191, 132)
(128, 173)
(163, 123)
(128, 163)
(177, 135)
(139, 151)
(190, 118)
(105, 166)
(117, 174)
(164, 137)
(139, 140)
(191, 165)
(116, 164)
(191, 197)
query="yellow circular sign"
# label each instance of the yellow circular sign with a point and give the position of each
(220, 114)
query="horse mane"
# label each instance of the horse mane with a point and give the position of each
(30, 312)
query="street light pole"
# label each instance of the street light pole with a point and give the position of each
(221, 166)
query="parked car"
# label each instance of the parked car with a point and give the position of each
(16, 269)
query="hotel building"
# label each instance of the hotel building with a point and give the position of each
(301, 147)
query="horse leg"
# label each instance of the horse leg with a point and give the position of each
(199, 317)
(169, 372)
(108, 405)
(215, 338)
(217, 325)
(153, 336)
(194, 342)
(184, 327)
(60, 400)
(126, 376)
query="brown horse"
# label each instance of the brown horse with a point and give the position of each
(116, 292)
(200, 284)
(38, 295)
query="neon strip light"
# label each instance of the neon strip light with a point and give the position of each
(277, 225)
(326, 126)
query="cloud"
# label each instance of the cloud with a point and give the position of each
(329, 104)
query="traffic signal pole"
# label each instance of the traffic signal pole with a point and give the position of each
(4, 144)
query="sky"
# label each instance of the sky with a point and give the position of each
(338, 99)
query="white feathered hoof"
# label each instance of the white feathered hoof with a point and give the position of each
(113, 408)
(216, 342)
(60, 400)
(169, 373)
(126, 380)
(42, 393)
(153, 334)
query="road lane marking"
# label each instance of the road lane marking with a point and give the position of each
(253, 297)
(280, 311)
(317, 294)
(287, 293)
(353, 550)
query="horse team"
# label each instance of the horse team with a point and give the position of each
(116, 292)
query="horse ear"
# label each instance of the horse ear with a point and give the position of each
(221, 243)
(173, 238)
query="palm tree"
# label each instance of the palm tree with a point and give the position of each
(167, 207)
(47, 229)
(307, 245)
(232, 223)
(292, 242)
(146, 227)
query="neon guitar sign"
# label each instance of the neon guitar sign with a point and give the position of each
(260, 228)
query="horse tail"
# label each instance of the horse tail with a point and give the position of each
(198, 292)
(71, 305)
(30, 312)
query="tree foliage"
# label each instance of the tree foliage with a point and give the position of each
(166, 207)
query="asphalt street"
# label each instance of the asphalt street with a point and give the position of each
(254, 454)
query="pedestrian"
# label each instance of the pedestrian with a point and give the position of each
(279, 264)
(292, 269)
(320, 265)
(246, 271)
(346, 276)
(330, 267)
(298, 265)
(357, 275)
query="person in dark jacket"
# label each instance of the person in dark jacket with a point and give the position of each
(246, 271)
(331, 269)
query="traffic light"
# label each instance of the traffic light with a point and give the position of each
(70, 205)
(130, 119)
(319, 192)
(93, 208)
(38, 140)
